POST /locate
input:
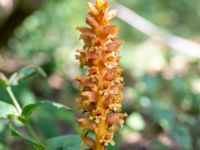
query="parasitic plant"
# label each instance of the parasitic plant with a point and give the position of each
(101, 90)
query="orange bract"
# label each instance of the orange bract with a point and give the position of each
(101, 89)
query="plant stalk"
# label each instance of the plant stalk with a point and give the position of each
(31, 131)
(13, 98)
(19, 110)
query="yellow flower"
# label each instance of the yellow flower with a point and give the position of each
(101, 90)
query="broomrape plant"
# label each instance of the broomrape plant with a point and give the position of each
(100, 90)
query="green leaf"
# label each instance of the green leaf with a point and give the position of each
(7, 109)
(3, 80)
(25, 73)
(69, 142)
(110, 147)
(15, 132)
(28, 109)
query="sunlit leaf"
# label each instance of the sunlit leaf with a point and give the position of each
(25, 73)
(6, 110)
(135, 121)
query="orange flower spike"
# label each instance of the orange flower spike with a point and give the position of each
(101, 89)
(99, 3)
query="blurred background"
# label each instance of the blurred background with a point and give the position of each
(160, 58)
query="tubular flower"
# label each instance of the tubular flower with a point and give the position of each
(101, 89)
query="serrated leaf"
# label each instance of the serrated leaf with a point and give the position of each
(25, 73)
(68, 142)
(28, 109)
(15, 132)
(3, 80)
(6, 110)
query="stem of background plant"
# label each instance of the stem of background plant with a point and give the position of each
(26, 123)
(13, 98)
(30, 129)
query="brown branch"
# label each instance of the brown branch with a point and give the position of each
(146, 27)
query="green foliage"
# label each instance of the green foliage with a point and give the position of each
(111, 147)
(6, 110)
(45, 30)
(16, 132)
(181, 134)
(69, 142)
(12, 112)
(28, 109)
(3, 80)
(135, 121)
(157, 145)
(25, 73)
